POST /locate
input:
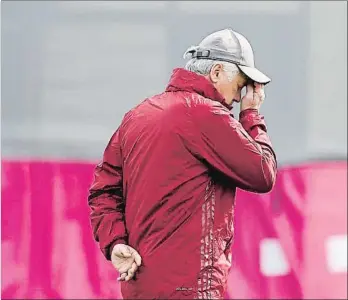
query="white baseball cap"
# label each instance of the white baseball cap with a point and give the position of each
(230, 46)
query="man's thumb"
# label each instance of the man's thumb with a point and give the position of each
(137, 258)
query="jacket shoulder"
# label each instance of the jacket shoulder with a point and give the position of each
(205, 107)
(197, 101)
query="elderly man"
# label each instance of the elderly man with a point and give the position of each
(163, 197)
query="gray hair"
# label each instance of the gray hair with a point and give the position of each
(204, 66)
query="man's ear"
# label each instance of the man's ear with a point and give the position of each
(215, 73)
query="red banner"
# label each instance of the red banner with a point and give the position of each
(291, 243)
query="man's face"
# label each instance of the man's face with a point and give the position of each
(230, 89)
(238, 83)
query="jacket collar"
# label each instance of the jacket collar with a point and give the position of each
(183, 80)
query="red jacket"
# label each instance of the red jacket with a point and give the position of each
(167, 185)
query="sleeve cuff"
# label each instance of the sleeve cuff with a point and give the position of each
(248, 112)
(250, 118)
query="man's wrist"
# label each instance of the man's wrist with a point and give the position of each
(248, 112)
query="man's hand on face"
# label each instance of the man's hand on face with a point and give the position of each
(126, 261)
(254, 96)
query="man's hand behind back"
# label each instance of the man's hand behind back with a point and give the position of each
(126, 261)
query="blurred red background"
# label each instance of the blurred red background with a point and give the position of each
(291, 243)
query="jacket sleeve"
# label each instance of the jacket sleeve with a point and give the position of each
(242, 151)
(106, 199)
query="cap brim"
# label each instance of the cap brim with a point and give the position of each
(255, 75)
